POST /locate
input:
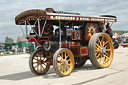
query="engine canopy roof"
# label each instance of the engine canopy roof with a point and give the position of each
(34, 14)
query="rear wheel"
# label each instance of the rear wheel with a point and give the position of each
(63, 61)
(100, 50)
(38, 63)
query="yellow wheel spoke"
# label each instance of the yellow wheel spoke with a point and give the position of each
(59, 64)
(67, 66)
(106, 56)
(66, 57)
(98, 56)
(45, 64)
(59, 67)
(97, 50)
(99, 41)
(34, 58)
(108, 49)
(43, 59)
(96, 53)
(98, 45)
(62, 56)
(37, 58)
(102, 59)
(105, 47)
(63, 69)
(59, 56)
(42, 67)
(102, 40)
(36, 66)
(68, 60)
(105, 43)
(60, 61)
(106, 53)
(34, 62)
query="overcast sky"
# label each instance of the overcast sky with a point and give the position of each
(10, 8)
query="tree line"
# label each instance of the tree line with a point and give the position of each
(8, 40)
(120, 32)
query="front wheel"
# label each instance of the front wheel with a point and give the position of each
(38, 63)
(100, 50)
(63, 61)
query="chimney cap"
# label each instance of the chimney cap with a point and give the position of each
(49, 9)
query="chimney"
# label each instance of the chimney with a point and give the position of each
(50, 10)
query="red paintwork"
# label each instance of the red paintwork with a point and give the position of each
(124, 44)
(84, 51)
(32, 39)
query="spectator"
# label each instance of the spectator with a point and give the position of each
(108, 25)
(102, 27)
(24, 49)
(109, 32)
(13, 49)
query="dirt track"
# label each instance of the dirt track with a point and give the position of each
(14, 70)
